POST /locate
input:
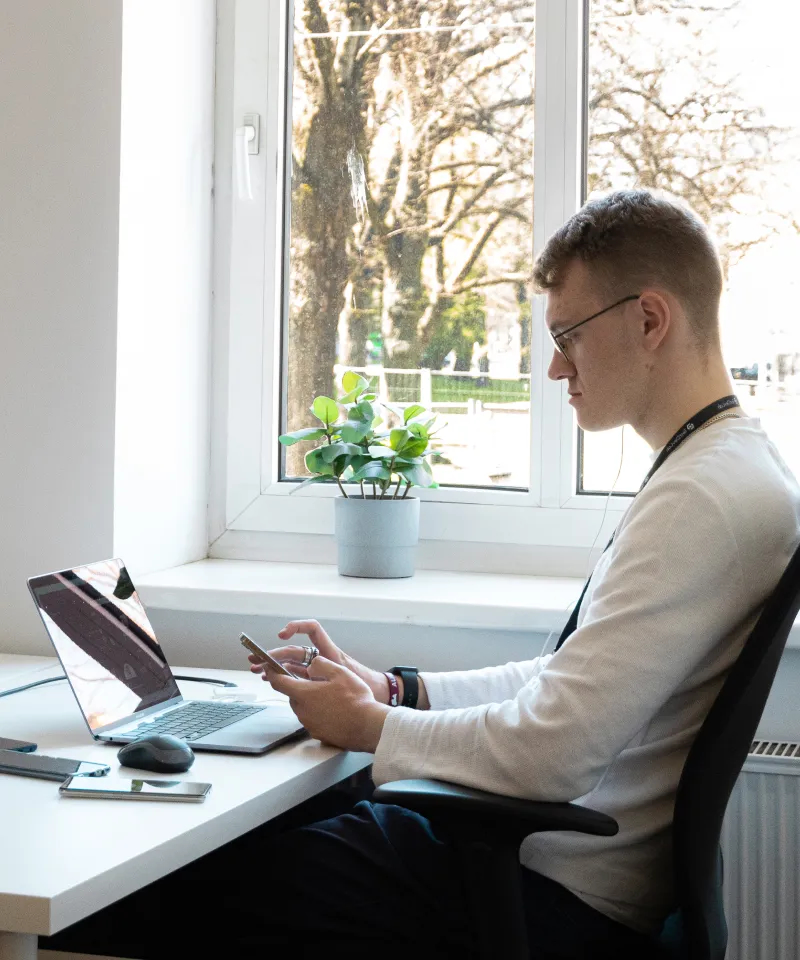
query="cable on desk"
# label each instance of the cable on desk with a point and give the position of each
(38, 683)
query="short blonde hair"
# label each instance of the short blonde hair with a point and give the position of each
(632, 239)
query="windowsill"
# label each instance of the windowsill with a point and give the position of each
(432, 598)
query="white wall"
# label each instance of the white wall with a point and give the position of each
(160, 498)
(65, 88)
(59, 203)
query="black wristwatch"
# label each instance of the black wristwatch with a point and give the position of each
(410, 685)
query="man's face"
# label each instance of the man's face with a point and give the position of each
(600, 366)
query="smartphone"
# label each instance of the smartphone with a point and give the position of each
(253, 647)
(121, 788)
(48, 768)
(23, 746)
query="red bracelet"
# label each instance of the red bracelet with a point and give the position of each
(394, 689)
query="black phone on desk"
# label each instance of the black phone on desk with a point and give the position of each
(122, 788)
(23, 746)
(48, 768)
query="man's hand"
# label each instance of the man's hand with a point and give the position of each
(333, 704)
(292, 656)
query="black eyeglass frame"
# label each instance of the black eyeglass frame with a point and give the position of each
(555, 337)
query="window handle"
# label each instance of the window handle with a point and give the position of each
(246, 144)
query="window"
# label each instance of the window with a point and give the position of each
(411, 198)
(699, 99)
(386, 216)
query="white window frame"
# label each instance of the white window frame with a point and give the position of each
(249, 505)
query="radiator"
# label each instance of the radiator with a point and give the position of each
(761, 851)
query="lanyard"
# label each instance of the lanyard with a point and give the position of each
(700, 419)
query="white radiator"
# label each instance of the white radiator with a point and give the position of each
(761, 850)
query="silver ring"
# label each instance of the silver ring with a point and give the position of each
(310, 653)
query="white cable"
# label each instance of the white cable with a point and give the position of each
(569, 607)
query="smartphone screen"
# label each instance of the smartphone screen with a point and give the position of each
(121, 788)
(253, 647)
(48, 768)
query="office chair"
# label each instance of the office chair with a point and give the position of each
(488, 829)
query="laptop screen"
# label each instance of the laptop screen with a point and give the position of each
(104, 640)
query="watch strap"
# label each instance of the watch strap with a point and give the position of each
(410, 678)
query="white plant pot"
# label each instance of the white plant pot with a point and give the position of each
(376, 538)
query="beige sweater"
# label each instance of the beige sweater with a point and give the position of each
(608, 720)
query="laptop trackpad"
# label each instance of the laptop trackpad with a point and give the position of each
(253, 734)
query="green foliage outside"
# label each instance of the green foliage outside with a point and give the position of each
(460, 325)
(455, 389)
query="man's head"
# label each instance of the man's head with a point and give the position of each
(654, 255)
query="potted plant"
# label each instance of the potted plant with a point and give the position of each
(377, 527)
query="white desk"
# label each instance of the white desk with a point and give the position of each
(63, 859)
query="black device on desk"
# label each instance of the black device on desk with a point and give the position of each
(118, 788)
(159, 752)
(21, 746)
(48, 768)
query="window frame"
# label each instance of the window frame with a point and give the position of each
(248, 503)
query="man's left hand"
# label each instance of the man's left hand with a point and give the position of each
(334, 705)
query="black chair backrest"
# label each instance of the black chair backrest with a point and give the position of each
(713, 765)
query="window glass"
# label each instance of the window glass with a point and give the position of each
(699, 98)
(410, 184)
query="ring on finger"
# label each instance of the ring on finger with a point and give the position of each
(310, 653)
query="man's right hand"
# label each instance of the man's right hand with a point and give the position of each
(292, 655)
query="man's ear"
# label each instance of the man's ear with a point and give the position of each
(655, 318)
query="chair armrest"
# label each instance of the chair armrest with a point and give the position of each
(465, 810)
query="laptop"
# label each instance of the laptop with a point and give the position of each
(120, 676)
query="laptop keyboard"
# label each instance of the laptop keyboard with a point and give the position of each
(195, 719)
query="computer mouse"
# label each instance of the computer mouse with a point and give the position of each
(159, 752)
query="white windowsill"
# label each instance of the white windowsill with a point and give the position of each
(430, 598)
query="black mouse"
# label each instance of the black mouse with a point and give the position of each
(160, 752)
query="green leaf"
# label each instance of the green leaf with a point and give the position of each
(374, 470)
(413, 411)
(349, 397)
(354, 465)
(408, 461)
(325, 409)
(352, 382)
(416, 448)
(316, 463)
(333, 450)
(399, 437)
(376, 450)
(416, 475)
(307, 483)
(308, 433)
(354, 431)
(363, 411)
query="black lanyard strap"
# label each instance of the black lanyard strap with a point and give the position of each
(691, 426)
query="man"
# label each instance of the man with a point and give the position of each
(633, 285)
(608, 719)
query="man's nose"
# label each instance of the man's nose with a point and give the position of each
(560, 367)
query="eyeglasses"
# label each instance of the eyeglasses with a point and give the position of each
(556, 337)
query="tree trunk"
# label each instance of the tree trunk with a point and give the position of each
(322, 220)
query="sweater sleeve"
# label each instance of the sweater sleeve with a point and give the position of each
(672, 589)
(468, 688)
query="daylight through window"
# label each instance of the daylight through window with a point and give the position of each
(411, 200)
